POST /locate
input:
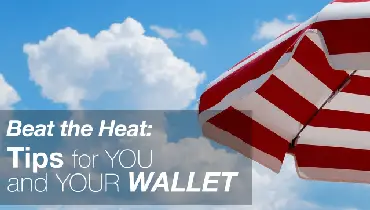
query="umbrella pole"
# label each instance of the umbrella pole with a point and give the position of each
(333, 94)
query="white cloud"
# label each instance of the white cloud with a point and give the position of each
(167, 33)
(291, 17)
(268, 30)
(119, 65)
(197, 35)
(8, 95)
(194, 35)
(8, 98)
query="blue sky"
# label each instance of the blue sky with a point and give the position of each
(211, 36)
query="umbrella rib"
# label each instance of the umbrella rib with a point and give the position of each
(333, 94)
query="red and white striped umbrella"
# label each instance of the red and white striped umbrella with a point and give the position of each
(309, 95)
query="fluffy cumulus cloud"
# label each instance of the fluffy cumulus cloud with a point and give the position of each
(268, 30)
(8, 95)
(118, 65)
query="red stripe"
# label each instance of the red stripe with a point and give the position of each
(358, 85)
(342, 120)
(345, 36)
(286, 99)
(252, 70)
(307, 52)
(251, 132)
(332, 157)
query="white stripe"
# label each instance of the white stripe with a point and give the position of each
(227, 139)
(341, 11)
(363, 73)
(303, 82)
(333, 175)
(316, 37)
(334, 137)
(283, 60)
(269, 116)
(351, 61)
(350, 102)
(244, 90)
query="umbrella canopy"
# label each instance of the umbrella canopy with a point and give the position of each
(306, 93)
